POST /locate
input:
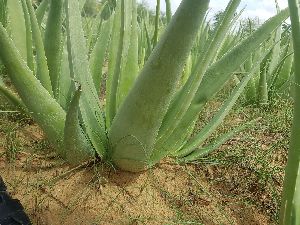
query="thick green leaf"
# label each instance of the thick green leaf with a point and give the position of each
(209, 128)
(168, 11)
(130, 67)
(112, 98)
(16, 26)
(114, 55)
(65, 81)
(134, 129)
(286, 69)
(29, 48)
(89, 103)
(42, 72)
(275, 55)
(263, 87)
(41, 11)
(12, 97)
(289, 213)
(53, 44)
(98, 54)
(43, 108)
(77, 147)
(156, 30)
(183, 100)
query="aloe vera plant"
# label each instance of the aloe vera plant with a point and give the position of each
(290, 206)
(275, 71)
(158, 78)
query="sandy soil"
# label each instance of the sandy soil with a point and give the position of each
(53, 193)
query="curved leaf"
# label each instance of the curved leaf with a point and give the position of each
(77, 147)
(53, 43)
(42, 71)
(43, 108)
(90, 108)
(134, 129)
(221, 71)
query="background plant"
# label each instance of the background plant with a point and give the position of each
(273, 77)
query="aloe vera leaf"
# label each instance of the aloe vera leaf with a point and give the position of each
(94, 33)
(149, 46)
(289, 212)
(168, 11)
(209, 128)
(12, 97)
(128, 18)
(260, 30)
(134, 129)
(16, 26)
(221, 71)
(96, 28)
(286, 69)
(97, 23)
(171, 150)
(187, 70)
(98, 54)
(131, 68)
(89, 103)
(87, 27)
(200, 152)
(296, 206)
(53, 43)
(142, 43)
(222, 49)
(275, 55)
(43, 108)
(263, 96)
(181, 104)
(272, 89)
(126, 59)
(77, 147)
(201, 41)
(250, 90)
(41, 11)
(183, 99)
(29, 49)
(42, 71)
(91, 27)
(156, 29)
(112, 59)
(112, 102)
(65, 80)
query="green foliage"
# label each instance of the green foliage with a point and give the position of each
(273, 75)
(290, 205)
(53, 44)
(41, 10)
(90, 108)
(143, 78)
